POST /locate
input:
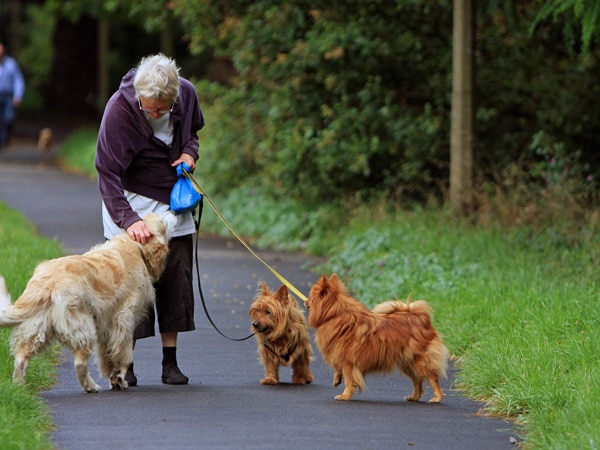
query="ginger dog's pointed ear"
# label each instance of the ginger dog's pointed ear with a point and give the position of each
(335, 284)
(322, 285)
(265, 288)
(282, 294)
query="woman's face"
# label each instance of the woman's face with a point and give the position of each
(154, 107)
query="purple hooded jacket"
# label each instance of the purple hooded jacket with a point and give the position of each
(128, 156)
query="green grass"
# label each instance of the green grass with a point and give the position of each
(517, 307)
(518, 310)
(78, 151)
(25, 422)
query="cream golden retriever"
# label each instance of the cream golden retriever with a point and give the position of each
(89, 302)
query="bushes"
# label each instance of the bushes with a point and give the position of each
(336, 100)
(352, 98)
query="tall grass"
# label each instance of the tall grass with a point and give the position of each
(25, 422)
(518, 310)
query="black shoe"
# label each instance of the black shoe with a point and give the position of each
(130, 377)
(172, 375)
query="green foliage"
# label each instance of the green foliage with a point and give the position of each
(579, 14)
(545, 91)
(559, 168)
(153, 16)
(341, 99)
(275, 223)
(35, 58)
(353, 98)
(333, 100)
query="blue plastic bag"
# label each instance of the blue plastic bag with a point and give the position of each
(184, 196)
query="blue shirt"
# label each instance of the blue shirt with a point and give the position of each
(11, 78)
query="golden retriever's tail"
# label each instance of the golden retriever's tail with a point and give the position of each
(14, 314)
(5, 301)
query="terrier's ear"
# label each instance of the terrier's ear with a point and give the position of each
(282, 294)
(265, 288)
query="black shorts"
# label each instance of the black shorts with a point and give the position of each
(174, 292)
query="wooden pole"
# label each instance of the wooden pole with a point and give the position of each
(462, 115)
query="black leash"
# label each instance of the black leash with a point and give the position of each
(200, 206)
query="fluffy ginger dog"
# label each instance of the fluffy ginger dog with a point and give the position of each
(281, 335)
(90, 301)
(392, 336)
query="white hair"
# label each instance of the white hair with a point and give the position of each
(157, 76)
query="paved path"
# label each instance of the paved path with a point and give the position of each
(224, 406)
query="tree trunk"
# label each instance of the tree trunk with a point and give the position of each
(462, 126)
(14, 28)
(72, 84)
(167, 43)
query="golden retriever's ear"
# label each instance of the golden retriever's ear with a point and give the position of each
(155, 255)
(282, 294)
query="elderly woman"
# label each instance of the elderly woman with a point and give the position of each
(149, 126)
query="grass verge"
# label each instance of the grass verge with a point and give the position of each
(24, 419)
(518, 310)
(77, 153)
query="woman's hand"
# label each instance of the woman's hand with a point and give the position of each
(138, 231)
(188, 159)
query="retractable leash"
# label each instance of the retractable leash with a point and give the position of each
(200, 205)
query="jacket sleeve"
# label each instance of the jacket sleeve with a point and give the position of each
(114, 153)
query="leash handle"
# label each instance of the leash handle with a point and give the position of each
(239, 238)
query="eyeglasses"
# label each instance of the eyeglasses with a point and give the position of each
(160, 112)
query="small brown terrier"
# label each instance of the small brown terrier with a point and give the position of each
(281, 335)
(392, 336)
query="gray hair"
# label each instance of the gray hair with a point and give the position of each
(157, 76)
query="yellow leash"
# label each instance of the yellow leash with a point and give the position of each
(197, 186)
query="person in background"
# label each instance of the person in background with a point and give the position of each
(149, 126)
(12, 88)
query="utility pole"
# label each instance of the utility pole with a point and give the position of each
(462, 115)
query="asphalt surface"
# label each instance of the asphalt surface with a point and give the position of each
(224, 406)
